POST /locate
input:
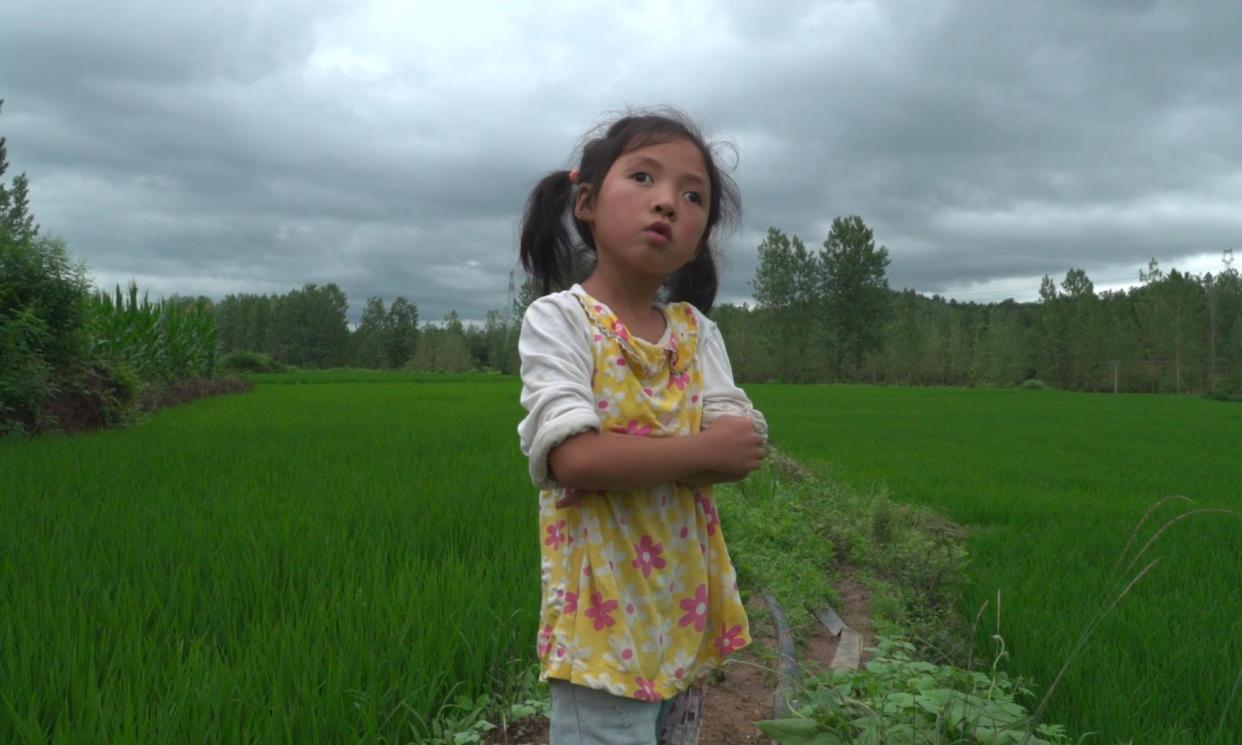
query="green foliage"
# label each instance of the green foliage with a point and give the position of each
(402, 332)
(790, 530)
(788, 289)
(821, 312)
(304, 327)
(368, 340)
(166, 341)
(897, 699)
(775, 530)
(831, 318)
(43, 340)
(855, 290)
(251, 362)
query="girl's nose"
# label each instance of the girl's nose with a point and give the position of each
(664, 206)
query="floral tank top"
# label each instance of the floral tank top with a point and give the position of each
(639, 594)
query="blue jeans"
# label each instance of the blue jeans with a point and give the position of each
(585, 716)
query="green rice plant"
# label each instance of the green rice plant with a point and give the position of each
(327, 563)
(165, 341)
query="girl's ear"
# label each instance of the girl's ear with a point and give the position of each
(584, 210)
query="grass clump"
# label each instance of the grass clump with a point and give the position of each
(791, 530)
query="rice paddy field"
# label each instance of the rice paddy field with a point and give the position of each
(335, 557)
(1052, 486)
(302, 563)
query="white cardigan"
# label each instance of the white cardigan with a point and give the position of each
(555, 349)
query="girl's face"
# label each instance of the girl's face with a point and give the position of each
(650, 214)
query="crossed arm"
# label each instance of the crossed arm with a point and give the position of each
(619, 462)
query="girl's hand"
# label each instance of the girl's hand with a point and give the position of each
(733, 446)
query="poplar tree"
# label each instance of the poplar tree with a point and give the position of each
(854, 290)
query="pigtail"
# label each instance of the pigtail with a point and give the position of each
(696, 283)
(547, 251)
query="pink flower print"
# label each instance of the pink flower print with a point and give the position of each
(609, 402)
(649, 393)
(648, 555)
(729, 641)
(633, 428)
(696, 610)
(571, 602)
(600, 611)
(545, 641)
(694, 399)
(617, 368)
(694, 322)
(556, 537)
(709, 511)
(678, 379)
(646, 690)
(620, 330)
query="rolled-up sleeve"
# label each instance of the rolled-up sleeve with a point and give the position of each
(721, 396)
(556, 368)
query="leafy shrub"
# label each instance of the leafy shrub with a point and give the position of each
(103, 395)
(898, 699)
(1034, 384)
(254, 362)
(43, 338)
(1222, 395)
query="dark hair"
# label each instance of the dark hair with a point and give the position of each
(551, 255)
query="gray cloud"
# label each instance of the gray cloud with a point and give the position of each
(244, 148)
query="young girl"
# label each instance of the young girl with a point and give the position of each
(632, 416)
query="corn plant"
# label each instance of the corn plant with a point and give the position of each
(162, 342)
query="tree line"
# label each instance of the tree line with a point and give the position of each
(826, 316)
(308, 327)
(830, 317)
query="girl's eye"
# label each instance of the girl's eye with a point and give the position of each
(642, 177)
(694, 197)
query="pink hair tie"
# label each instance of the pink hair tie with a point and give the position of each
(573, 176)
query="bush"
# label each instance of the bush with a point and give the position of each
(1222, 395)
(1034, 384)
(254, 362)
(102, 395)
(896, 698)
(43, 338)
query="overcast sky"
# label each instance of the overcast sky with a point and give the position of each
(254, 146)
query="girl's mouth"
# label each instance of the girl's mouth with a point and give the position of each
(660, 231)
